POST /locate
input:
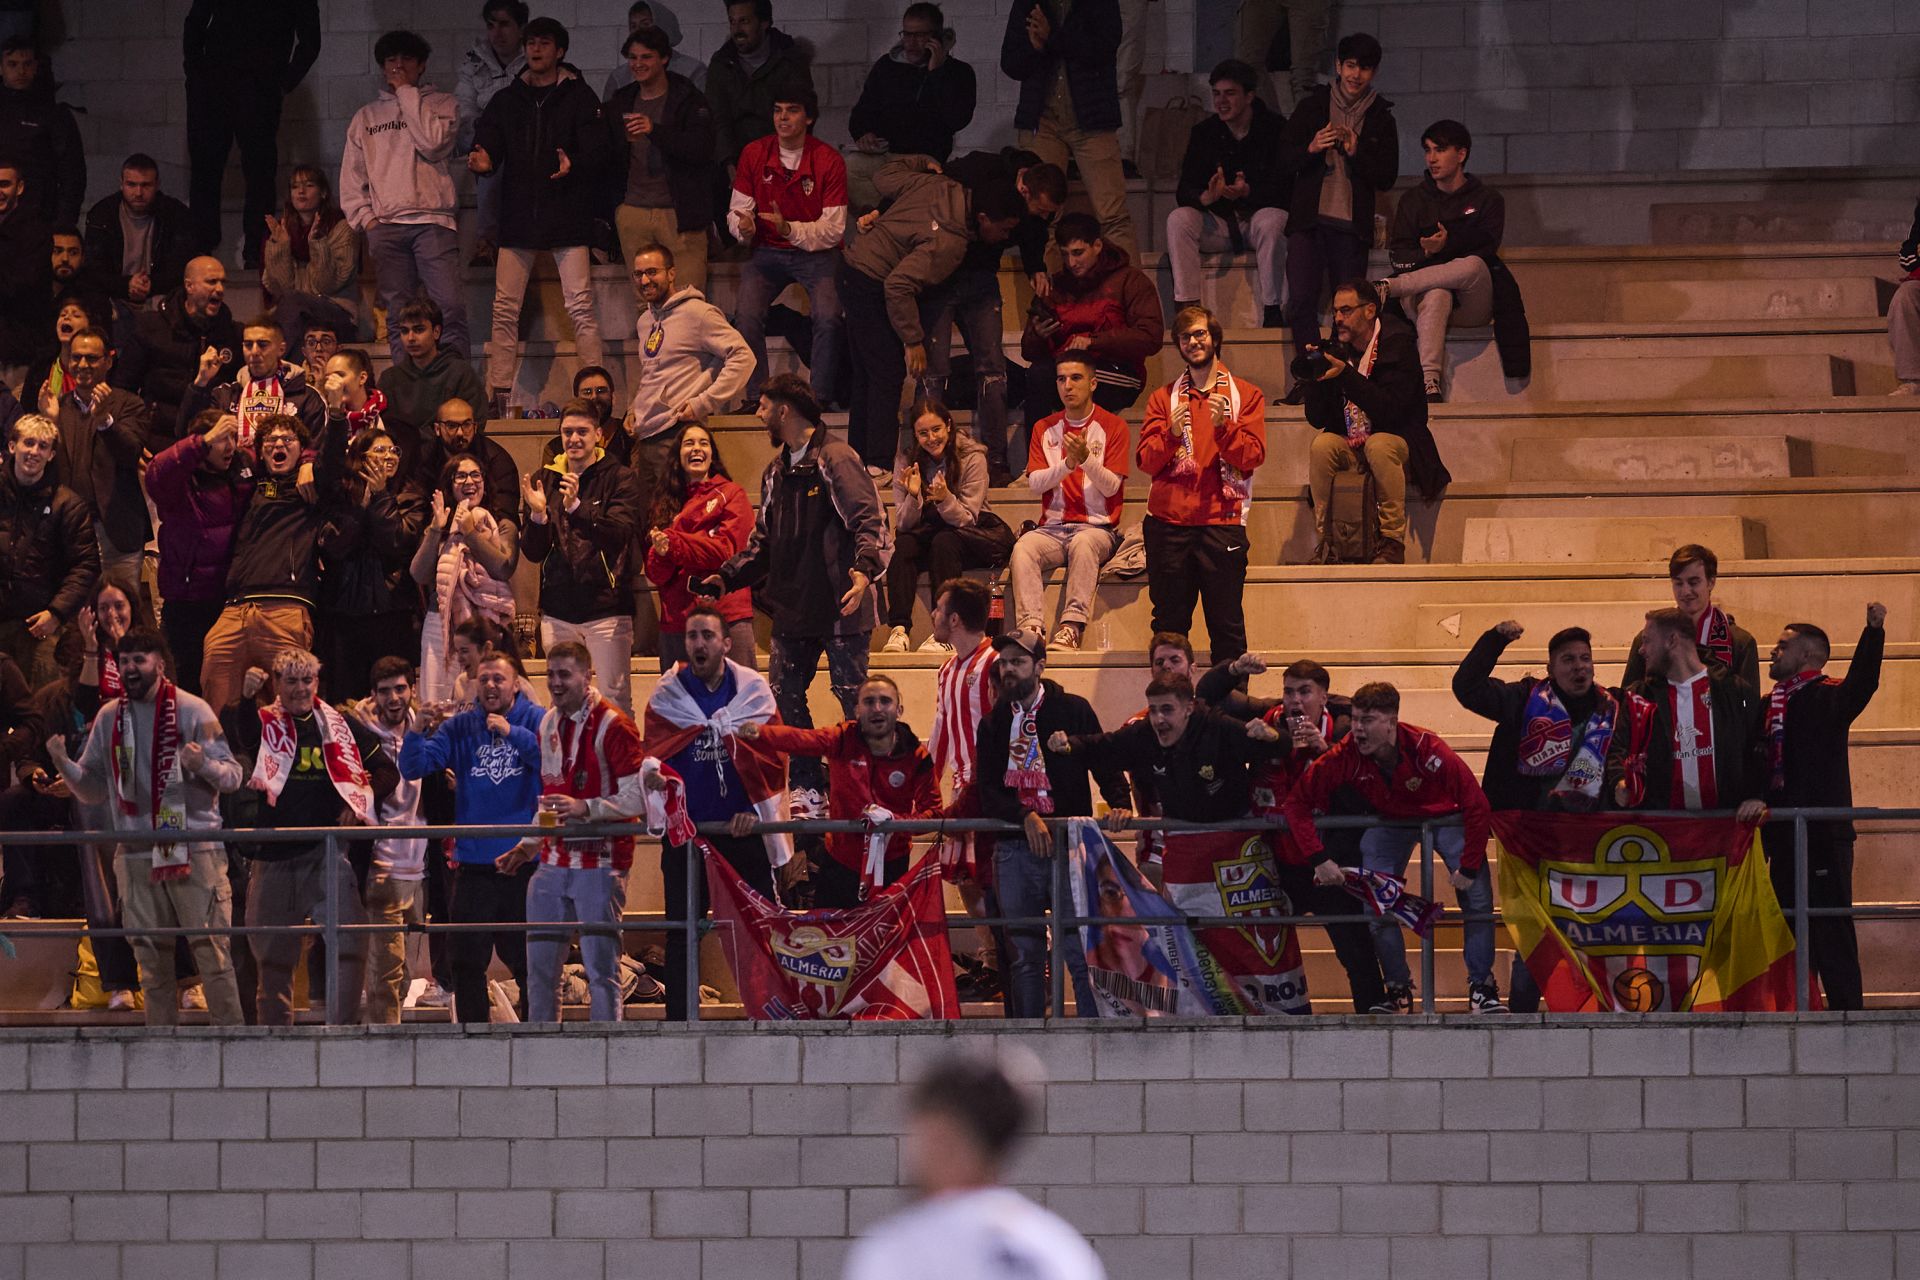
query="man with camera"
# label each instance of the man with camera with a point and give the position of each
(1363, 392)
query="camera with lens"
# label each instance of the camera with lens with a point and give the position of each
(1311, 364)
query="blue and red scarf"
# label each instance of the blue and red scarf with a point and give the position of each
(1777, 724)
(1547, 748)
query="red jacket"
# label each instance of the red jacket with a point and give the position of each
(1116, 307)
(712, 526)
(1428, 781)
(903, 783)
(1205, 496)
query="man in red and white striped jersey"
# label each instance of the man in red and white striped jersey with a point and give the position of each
(1077, 463)
(1692, 729)
(965, 689)
(590, 757)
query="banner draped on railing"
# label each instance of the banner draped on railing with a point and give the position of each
(887, 959)
(1616, 912)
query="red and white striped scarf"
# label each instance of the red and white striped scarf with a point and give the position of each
(1359, 426)
(166, 788)
(279, 740)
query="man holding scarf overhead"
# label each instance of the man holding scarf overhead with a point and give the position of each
(306, 758)
(1694, 570)
(1550, 737)
(157, 759)
(1805, 752)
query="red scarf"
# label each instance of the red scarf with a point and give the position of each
(279, 740)
(1777, 723)
(110, 686)
(166, 794)
(359, 420)
(1026, 765)
(1716, 635)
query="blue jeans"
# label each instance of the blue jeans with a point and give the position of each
(1388, 849)
(762, 277)
(561, 894)
(972, 299)
(1023, 882)
(791, 662)
(411, 259)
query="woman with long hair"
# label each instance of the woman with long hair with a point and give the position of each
(311, 271)
(700, 518)
(465, 565)
(369, 605)
(941, 520)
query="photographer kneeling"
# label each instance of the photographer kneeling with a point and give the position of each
(1364, 393)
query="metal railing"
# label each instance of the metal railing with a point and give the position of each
(1063, 922)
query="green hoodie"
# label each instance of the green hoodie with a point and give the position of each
(415, 392)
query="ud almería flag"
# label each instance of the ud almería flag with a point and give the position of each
(1614, 912)
(886, 959)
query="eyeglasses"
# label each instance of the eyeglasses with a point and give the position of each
(382, 451)
(453, 422)
(468, 477)
(1347, 311)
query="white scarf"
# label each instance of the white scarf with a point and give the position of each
(279, 740)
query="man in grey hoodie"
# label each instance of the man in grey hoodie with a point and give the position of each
(171, 884)
(395, 187)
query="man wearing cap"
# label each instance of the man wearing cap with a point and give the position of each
(1017, 780)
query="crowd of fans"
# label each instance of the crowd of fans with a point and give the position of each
(251, 583)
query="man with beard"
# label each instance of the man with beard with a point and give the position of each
(458, 428)
(396, 880)
(1017, 781)
(139, 239)
(266, 385)
(190, 320)
(1808, 716)
(48, 558)
(273, 580)
(590, 757)
(103, 430)
(582, 510)
(743, 73)
(314, 767)
(1693, 571)
(692, 364)
(1401, 771)
(1370, 407)
(1204, 435)
(74, 275)
(25, 288)
(157, 762)
(875, 762)
(1309, 718)
(1693, 726)
(200, 486)
(819, 544)
(1550, 737)
(699, 768)
(493, 752)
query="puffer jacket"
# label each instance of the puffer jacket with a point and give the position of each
(1116, 307)
(481, 76)
(712, 525)
(48, 558)
(199, 517)
(584, 557)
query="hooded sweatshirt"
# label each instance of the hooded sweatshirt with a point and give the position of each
(688, 352)
(1115, 306)
(917, 243)
(415, 392)
(394, 166)
(481, 76)
(496, 780)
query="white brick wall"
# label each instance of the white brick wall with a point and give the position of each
(1751, 1150)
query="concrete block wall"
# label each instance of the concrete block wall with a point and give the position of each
(1764, 1148)
(1548, 86)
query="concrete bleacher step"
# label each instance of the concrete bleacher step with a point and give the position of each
(1644, 377)
(1568, 458)
(1584, 539)
(1714, 300)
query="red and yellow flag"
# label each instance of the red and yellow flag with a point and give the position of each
(1615, 912)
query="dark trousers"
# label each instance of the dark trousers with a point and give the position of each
(748, 856)
(836, 886)
(353, 644)
(970, 300)
(223, 110)
(483, 895)
(44, 877)
(1204, 563)
(439, 908)
(1320, 259)
(650, 461)
(1835, 955)
(791, 662)
(879, 369)
(944, 551)
(1352, 943)
(186, 623)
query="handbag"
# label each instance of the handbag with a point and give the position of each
(1163, 136)
(1353, 518)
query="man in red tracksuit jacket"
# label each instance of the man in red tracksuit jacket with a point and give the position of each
(1402, 771)
(1204, 435)
(872, 761)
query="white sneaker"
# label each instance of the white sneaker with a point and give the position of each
(434, 997)
(882, 478)
(897, 641)
(930, 645)
(120, 1001)
(193, 1000)
(1906, 389)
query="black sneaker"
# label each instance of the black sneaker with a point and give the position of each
(1484, 997)
(1399, 1000)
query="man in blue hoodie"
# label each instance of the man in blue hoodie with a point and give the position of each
(493, 750)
